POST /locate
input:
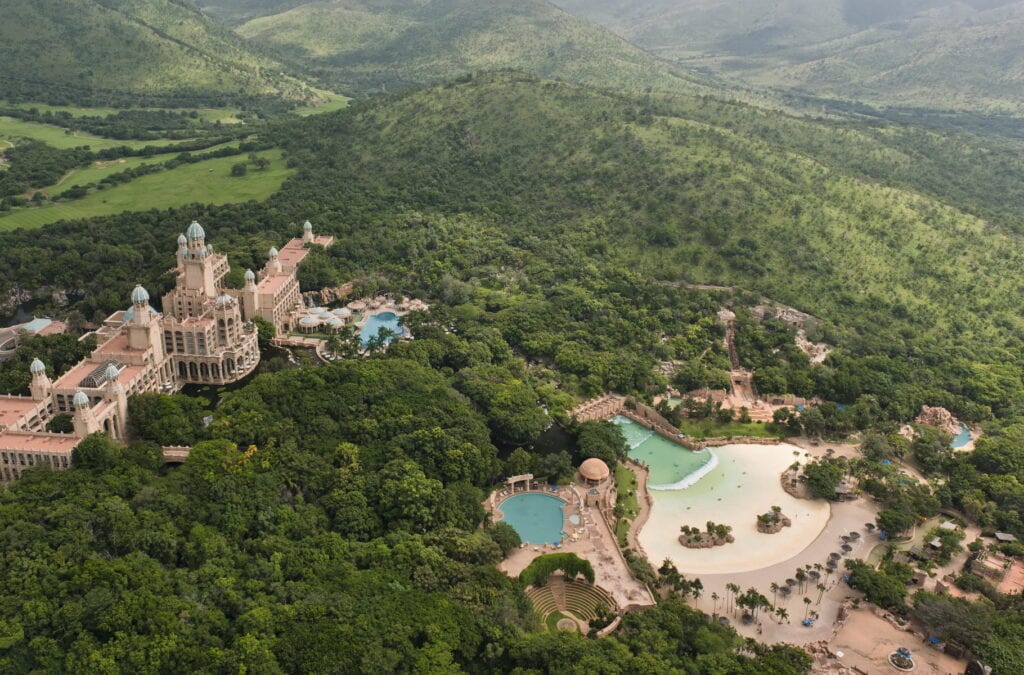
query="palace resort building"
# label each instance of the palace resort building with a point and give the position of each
(205, 335)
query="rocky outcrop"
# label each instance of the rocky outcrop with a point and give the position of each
(772, 522)
(327, 296)
(939, 417)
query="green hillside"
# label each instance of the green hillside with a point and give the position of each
(946, 54)
(370, 45)
(904, 242)
(130, 52)
(683, 190)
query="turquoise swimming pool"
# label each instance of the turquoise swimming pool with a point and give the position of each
(373, 325)
(962, 438)
(537, 517)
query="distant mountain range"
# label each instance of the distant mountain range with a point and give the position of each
(131, 52)
(945, 54)
(374, 45)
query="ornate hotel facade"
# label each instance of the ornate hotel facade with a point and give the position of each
(205, 335)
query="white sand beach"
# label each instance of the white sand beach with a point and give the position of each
(744, 484)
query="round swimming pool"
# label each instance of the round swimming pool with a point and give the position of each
(537, 517)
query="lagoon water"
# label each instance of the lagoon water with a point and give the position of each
(731, 484)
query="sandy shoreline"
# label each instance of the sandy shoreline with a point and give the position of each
(743, 485)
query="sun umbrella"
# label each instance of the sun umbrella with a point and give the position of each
(791, 582)
(847, 548)
(855, 535)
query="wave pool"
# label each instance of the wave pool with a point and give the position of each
(670, 466)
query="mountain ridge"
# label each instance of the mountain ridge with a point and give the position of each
(942, 54)
(372, 45)
(134, 52)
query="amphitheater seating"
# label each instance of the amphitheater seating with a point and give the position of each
(578, 598)
(543, 601)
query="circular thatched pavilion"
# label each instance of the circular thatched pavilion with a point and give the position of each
(594, 471)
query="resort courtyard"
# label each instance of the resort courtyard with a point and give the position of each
(585, 533)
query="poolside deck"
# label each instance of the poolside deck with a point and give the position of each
(591, 538)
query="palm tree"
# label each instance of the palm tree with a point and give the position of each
(775, 592)
(714, 604)
(751, 596)
(807, 607)
(696, 590)
(782, 614)
(801, 576)
(821, 592)
(733, 590)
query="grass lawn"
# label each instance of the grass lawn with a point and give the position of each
(714, 429)
(333, 102)
(207, 182)
(11, 129)
(552, 620)
(97, 171)
(625, 483)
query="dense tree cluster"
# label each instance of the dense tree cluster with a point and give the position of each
(58, 352)
(279, 548)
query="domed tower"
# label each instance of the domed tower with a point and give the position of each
(249, 296)
(85, 421)
(143, 329)
(307, 233)
(182, 249)
(273, 264)
(140, 306)
(41, 386)
(198, 262)
(114, 392)
(195, 237)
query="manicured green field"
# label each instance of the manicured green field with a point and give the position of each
(97, 171)
(713, 429)
(207, 182)
(11, 129)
